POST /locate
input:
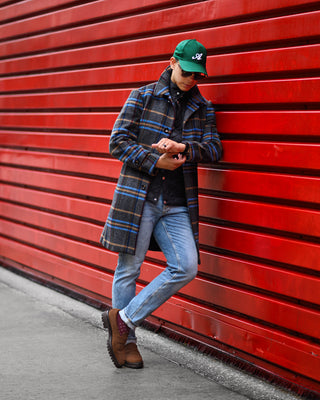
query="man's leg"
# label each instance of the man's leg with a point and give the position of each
(174, 235)
(128, 268)
(123, 291)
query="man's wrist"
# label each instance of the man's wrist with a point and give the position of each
(185, 151)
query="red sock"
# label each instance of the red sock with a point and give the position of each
(123, 328)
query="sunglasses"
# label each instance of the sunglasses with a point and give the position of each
(196, 75)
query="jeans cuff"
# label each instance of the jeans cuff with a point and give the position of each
(126, 320)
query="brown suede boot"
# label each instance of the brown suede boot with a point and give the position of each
(116, 341)
(133, 357)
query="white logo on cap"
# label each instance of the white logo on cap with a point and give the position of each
(198, 56)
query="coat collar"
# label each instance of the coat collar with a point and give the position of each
(162, 88)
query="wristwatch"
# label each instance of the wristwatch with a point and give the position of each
(185, 151)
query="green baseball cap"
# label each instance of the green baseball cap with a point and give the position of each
(192, 56)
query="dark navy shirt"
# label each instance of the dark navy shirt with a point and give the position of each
(171, 183)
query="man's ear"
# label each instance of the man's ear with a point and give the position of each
(173, 62)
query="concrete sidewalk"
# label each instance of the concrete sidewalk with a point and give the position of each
(53, 347)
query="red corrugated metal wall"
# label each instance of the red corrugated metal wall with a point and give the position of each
(66, 68)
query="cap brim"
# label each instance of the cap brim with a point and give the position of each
(192, 67)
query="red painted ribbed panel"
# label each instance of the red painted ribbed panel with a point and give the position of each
(66, 68)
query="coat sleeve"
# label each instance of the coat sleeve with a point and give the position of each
(124, 143)
(209, 148)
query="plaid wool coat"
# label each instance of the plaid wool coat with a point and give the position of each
(146, 117)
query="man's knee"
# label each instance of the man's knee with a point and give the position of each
(190, 267)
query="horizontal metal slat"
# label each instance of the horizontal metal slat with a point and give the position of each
(254, 32)
(220, 65)
(67, 121)
(81, 78)
(267, 185)
(69, 16)
(23, 8)
(262, 277)
(283, 282)
(286, 123)
(58, 141)
(291, 91)
(272, 154)
(63, 100)
(86, 209)
(58, 267)
(58, 182)
(287, 91)
(294, 188)
(295, 123)
(274, 248)
(221, 12)
(62, 162)
(267, 309)
(283, 155)
(127, 26)
(61, 246)
(43, 220)
(296, 220)
(265, 62)
(251, 62)
(248, 63)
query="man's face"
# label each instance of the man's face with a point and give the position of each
(183, 83)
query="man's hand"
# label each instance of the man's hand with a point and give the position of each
(169, 146)
(171, 161)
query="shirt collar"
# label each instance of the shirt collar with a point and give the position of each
(163, 87)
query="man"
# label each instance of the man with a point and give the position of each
(161, 133)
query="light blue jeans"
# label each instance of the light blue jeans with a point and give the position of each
(172, 230)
